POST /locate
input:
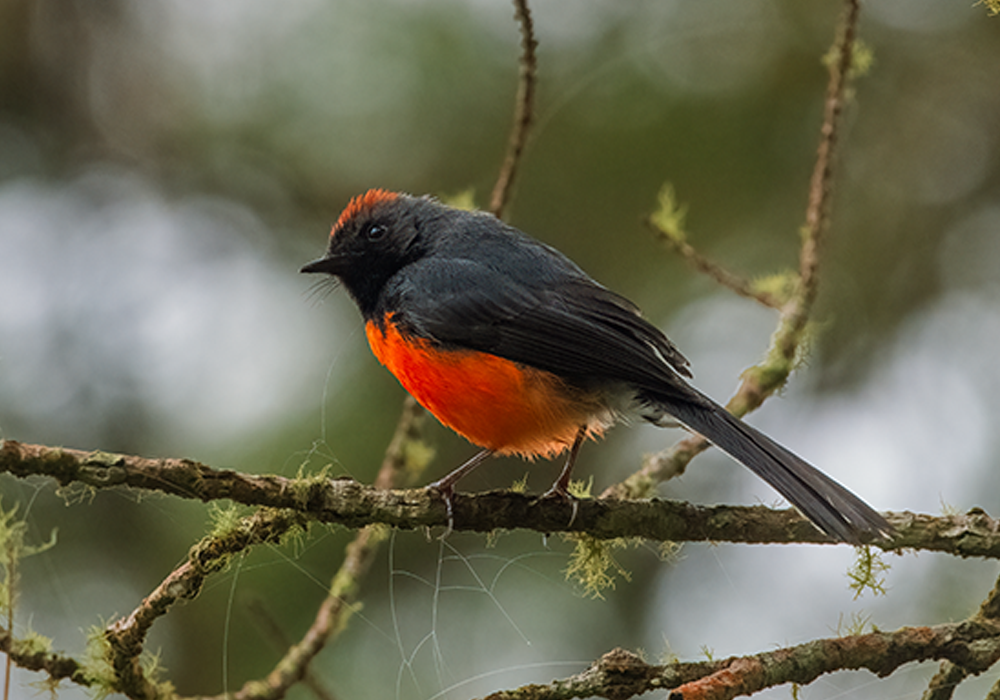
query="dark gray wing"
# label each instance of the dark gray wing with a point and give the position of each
(566, 324)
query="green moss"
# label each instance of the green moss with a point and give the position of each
(780, 286)
(593, 565)
(520, 485)
(96, 666)
(304, 484)
(100, 675)
(224, 518)
(32, 643)
(667, 656)
(669, 215)
(581, 489)
(948, 510)
(867, 572)
(856, 625)
(417, 455)
(992, 6)
(862, 56)
(669, 552)
(12, 550)
(465, 199)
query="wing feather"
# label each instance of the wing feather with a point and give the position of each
(569, 325)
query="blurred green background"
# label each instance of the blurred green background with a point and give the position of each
(166, 167)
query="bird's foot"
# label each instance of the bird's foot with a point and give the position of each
(560, 491)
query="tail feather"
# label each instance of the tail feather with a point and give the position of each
(831, 507)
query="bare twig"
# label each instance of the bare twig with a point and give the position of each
(667, 224)
(273, 632)
(821, 184)
(724, 277)
(523, 110)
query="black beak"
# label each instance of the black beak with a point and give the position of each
(327, 265)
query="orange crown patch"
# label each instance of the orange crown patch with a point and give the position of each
(363, 202)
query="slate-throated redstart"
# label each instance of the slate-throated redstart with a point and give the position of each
(510, 344)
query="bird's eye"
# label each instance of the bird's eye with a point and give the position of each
(373, 232)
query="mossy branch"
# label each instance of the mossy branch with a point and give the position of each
(346, 502)
(973, 645)
(32, 656)
(126, 637)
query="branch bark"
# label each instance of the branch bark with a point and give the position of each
(524, 107)
(619, 674)
(349, 503)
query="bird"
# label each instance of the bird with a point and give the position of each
(509, 343)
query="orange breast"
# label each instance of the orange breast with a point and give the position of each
(492, 402)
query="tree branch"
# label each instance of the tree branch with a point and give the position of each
(56, 666)
(523, 110)
(273, 632)
(619, 674)
(821, 183)
(349, 503)
(127, 636)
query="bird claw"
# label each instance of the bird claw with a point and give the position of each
(559, 491)
(447, 492)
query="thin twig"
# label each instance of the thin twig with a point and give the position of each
(273, 632)
(943, 684)
(817, 221)
(396, 470)
(56, 666)
(724, 277)
(761, 381)
(668, 225)
(523, 110)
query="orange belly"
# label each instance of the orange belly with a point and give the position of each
(492, 402)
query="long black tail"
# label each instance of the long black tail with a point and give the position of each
(831, 507)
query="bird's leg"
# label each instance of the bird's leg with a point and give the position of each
(446, 484)
(561, 486)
